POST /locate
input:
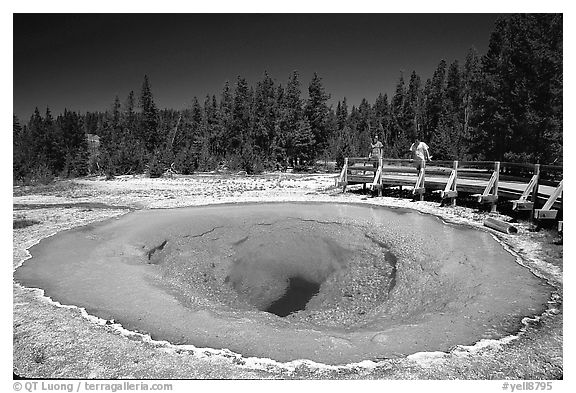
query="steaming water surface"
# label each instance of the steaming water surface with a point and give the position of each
(335, 283)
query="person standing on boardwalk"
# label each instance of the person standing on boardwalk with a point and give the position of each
(420, 154)
(377, 147)
(376, 151)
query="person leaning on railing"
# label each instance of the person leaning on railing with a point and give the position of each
(420, 154)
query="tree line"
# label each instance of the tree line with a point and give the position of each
(504, 105)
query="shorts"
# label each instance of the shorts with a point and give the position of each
(419, 164)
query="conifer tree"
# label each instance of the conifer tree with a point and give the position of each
(364, 128)
(16, 127)
(454, 87)
(342, 114)
(353, 124)
(20, 152)
(279, 143)
(129, 113)
(470, 85)
(265, 117)
(412, 111)
(75, 144)
(453, 145)
(426, 129)
(240, 126)
(213, 124)
(304, 143)
(316, 111)
(36, 127)
(54, 141)
(292, 113)
(108, 155)
(133, 148)
(116, 113)
(382, 120)
(436, 99)
(148, 131)
(343, 146)
(225, 118)
(398, 138)
(343, 143)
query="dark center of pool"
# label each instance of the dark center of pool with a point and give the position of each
(299, 292)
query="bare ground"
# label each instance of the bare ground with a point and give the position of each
(51, 341)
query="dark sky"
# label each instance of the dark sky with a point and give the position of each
(82, 61)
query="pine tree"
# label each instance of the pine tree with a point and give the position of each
(344, 145)
(342, 114)
(470, 85)
(316, 111)
(436, 100)
(304, 143)
(412, 111)
(292, 113)
(134, 150)
(116, 113)
(225, 119)
(364, 128)
(279, 142)
(75, 144)
(382, 120)
(37, 133)
(108, 145)
(354, 121)
(398, 137)
(427, 130)
(332, 127)
(196, 137)
(54, 141)
(197, 118)
(212, 115)
(16, 127)
(42, 155)
(110, 141)
(240, 126)
(148, 130)
(210, 130)
(21, 146)
(129, 113)
(448, 142)
(265, 118)
(454, 87)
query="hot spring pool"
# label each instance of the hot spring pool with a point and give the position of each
(334, 283)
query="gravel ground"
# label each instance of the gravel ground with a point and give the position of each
(52, 341)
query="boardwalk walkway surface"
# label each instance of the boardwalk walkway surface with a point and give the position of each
(489, 181)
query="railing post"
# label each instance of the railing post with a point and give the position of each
(423, 185)
(345, 177)
(495, 190)
(380, 166)
(455, 167)
(535, 192)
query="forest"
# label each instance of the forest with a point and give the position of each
(505, 105)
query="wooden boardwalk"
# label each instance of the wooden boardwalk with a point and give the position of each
(488, 181)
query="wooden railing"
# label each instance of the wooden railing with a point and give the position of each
(484, 176)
